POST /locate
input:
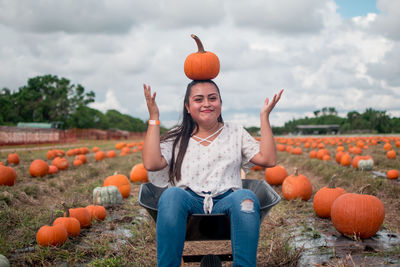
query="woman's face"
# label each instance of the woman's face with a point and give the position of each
(204, 103)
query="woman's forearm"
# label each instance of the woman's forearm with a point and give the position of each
(151, 153)
(267, 143)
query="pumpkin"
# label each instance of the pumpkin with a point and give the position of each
(77, 162)
(357, 215)
(201, 65)
(323, 200)
(71, 224)
(13, 158)
(338, 156)
(95, 149)
(313, 154)
(52, 169)
(82, 158)
(139, 173)
(39, 167)
(97, 212)
(392, 174)
(60, 163)
(297, 151)
(387, 146)
(4, 262)
(297, 186)
(363, 162)
(8, 176)
(51, 235)
(100, 155)
(275, 175)
(345, 159)
(391, 154)
(82, 215)
(121, 182)
(111, 154)
(108, 195)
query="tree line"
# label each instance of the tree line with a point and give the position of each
(49, 98)
(369, 121)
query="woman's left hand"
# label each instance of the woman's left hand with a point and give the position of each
(269, 105)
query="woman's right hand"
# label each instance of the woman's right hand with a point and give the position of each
(151, 103)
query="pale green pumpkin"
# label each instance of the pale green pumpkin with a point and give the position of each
(107, 195)
(4, 261)
(365, 164)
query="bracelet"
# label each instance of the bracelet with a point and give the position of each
(154, 122)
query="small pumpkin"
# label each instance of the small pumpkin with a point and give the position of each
(82, 215)
(201, 65)
(100, 155)
(38, 167)
(51, 235)
(359, 215)
(138, 173)
(4, 262)
(111, 154)
(13, 158)
(61, 163)
(392, 174)
(345, 159)
(52, 169)
(297, 186)
(108, 195)
(121, 182)
(97, 212)
(8, 176)
(391, 154)
(365, 163)
(71, 224)
(275, 175)
(324, 198)
(77, 162)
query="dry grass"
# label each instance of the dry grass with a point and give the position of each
(127, 236)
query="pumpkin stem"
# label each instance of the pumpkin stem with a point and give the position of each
(296, 172)
(362, 189)
(199, 44)
(66, 209)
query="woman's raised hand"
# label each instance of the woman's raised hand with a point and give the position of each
(151, 102)
(269, 105)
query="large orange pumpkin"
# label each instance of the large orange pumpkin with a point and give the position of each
(139, 173)
(201, 65)
(297, 186)
(323, 200)
(8, 176)
(121, 182)
(358, 215)
(51, 235)
(275, 175)
(39, 167)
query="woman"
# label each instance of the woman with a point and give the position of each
(200, 160)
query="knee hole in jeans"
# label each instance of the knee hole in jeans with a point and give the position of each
(247, 205)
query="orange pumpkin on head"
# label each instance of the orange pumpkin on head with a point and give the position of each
(202, 65)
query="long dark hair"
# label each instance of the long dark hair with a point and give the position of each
(182, 133)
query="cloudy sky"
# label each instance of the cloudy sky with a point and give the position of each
(324, 53)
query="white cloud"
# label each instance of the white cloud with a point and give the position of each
(303, 46)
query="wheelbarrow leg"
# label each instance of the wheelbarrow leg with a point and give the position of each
(210, 261)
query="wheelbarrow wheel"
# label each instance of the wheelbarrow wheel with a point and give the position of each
(210, 261)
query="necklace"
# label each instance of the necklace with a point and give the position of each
(208, 137)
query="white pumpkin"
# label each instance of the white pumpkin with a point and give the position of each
(4, 261)
(365, 164)
(107, 195)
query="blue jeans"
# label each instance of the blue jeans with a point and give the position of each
(174, 206)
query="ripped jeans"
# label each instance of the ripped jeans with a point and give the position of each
(175, 204)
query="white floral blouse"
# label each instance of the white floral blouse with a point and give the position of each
(213, 169)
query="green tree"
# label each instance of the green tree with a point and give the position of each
(121, 121)
(87, 118)
(49, 98)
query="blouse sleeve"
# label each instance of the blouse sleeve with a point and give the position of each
(160, 178)
(250, 147)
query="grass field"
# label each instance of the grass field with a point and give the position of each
(127, 236)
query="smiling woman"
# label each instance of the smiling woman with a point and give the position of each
(201, 160)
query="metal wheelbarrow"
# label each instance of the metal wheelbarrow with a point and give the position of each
(206, 227)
